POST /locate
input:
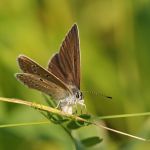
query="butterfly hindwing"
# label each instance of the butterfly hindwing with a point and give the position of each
(43, 85)
(27, 65)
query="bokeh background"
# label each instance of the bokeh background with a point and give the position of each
(115, 51)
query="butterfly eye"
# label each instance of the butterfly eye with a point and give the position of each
(81, 95)
(77, 95)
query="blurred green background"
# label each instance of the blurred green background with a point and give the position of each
(115, 50)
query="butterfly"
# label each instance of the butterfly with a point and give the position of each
(61, 81)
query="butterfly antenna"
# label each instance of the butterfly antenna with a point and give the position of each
(98, 93)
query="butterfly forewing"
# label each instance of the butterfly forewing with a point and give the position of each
(66, 64)
(38, 83)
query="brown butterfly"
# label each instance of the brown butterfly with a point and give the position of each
(62, 78)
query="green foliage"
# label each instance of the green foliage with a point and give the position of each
(71, 124)
(92, 141)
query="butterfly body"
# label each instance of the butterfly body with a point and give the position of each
(68, 103)
(62, 78)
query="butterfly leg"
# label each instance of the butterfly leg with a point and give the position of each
(59, 104)
(82, 105)
(76, 109)
(75, 106)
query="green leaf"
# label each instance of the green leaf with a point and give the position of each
(81, 123)
(91, 141)
(73, 125)
(85, 116)
(56, 118)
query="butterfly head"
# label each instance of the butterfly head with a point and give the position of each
(79, 95)
(69, 104)
(79, 98)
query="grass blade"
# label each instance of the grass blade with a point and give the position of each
(24, 124)
(124, 115)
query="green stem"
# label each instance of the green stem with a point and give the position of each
(124, 115)
(23, 124)
(77, 144)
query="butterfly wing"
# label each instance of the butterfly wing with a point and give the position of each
(66, 64)
(43, 85)
(31, 68)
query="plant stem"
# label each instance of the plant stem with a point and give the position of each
(77, 144)
(124, 115)
(73, 117)
(42, 107)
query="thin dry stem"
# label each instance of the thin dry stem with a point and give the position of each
(41, 107)
(58, 112)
